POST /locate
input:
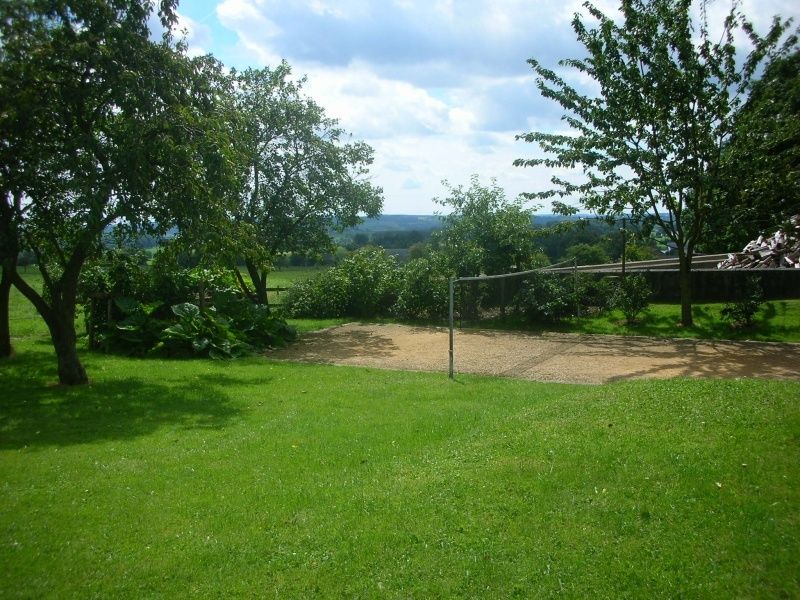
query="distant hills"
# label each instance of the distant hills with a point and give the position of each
(431, 222)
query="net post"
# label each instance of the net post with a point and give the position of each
(450, 294)
(575, 283)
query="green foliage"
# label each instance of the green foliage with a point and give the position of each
(484, 232)
(137, 332)
(172, 284)
(632, 296)
(651, 142)
(594, 294)
(256, 323)
(587, 254)
(741, 313)
(116, 274)
(547, 298)
(424, 289)
(127, 309)
(303, 177)
(365, 284)
(762, 160)
(200, 333)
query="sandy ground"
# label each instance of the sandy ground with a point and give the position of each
(559, 357)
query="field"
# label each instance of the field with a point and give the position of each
(261, 478)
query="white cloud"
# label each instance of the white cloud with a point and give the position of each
(437, 87)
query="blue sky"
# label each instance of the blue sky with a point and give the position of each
(438, 87)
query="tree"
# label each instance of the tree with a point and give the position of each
(106, 127)
(302, 178)
(668, 99)
(762, 160)
(588, 254)
(484, 232)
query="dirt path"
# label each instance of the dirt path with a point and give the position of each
(565, 358)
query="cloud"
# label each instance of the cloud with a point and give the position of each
(438, 87)
(412, 184)
(418, 41)
(198, 35)
(373, 107)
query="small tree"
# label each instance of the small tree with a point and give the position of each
(484, 232)
(651, 141)
(587, 254)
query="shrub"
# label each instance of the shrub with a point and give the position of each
(546, 297)
(200, 333)
(741, 313)
(115, 274)
(363, 285)
(423, 292)
(137, 332)
(255, 322)
(595, 293)
(632, 296)
(173, 284)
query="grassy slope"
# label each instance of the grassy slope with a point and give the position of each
(253, 478)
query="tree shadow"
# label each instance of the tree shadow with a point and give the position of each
(36, 414)
(331, 346)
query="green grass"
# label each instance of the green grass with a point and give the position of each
(777, 321)
(255, 478)
(285, 276)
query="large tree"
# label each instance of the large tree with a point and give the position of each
(762, 160)
(105, 126)
(303, 177)
(668, 96)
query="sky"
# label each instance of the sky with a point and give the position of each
(439, 88)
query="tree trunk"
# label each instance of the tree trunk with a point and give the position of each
(259, 279)
(59, 316)
(6, 350)
(9, 249)
(685, 282)
(62, 330)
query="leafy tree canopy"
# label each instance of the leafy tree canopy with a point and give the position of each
(762, 160)
(102, 125)
(304, 177)
(484, 232)
(650, 142)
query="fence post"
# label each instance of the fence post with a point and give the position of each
(450, 294)
(575, 283)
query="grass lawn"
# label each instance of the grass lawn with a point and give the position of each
(776, 321)
(254, 478)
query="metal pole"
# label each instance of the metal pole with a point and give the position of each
(575, 282)
(624, 246)
(451, 326)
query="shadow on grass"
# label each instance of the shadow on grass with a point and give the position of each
(35, 413)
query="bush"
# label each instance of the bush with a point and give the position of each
(255, 322)
(741, 313)
(137, 332)
(127, 309)
(201, 333)
(595, 294)
(115, 274)
(363, 285)
(632, 296)
(423, 289)
(546, 297)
